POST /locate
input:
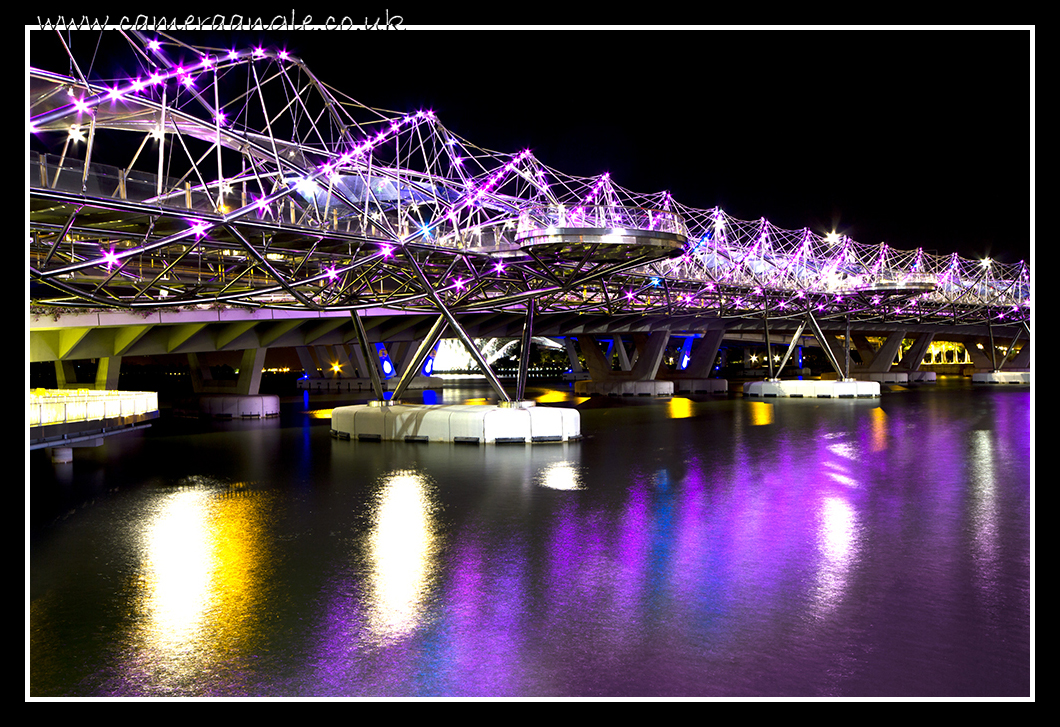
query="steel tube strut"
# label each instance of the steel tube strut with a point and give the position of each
(824, 343)
(1008, 353)
(791, 347)
(769, 349)
(846, 349)
(524, 353)
(369, 357)
(421, 353)
(460, 332)
(993, 356)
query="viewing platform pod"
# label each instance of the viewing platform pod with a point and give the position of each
(515, 423)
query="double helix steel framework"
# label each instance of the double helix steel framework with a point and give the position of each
(225, 177)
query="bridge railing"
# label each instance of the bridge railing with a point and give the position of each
(60, 406)
(538, 217)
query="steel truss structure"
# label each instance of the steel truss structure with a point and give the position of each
(224, 177)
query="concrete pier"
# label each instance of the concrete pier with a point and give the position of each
(518, 423)
(1002, 377)
(845, 389)
(239, 406)
(624, 387)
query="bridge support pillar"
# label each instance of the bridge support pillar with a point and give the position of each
(249, 382)
(309, 364)
(980, 356)
(914, 357)
(881, 362)
(572, 356)
(623, 357)
(702, 361)
(638, 381)
(107, 371)
(598, 364)
(1022, 359)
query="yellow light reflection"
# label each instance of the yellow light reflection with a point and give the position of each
(556, 397)
(320, 413)
(402, 550)
(761, 413)
(204, 569)
(561, 476)
(878, 424)
(679, 408)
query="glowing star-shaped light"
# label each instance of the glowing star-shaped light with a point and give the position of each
(110, 258)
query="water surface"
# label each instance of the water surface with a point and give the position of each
(687, 547)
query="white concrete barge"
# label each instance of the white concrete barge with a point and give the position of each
(507, 423)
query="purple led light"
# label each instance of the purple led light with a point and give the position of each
(111, 258)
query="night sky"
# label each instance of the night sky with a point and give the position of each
(917, 138)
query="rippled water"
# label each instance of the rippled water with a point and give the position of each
(715, 546)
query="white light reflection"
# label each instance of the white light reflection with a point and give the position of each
(561, 476)
(838, 546)
(984, 514)
(179, 564)
(402, 551)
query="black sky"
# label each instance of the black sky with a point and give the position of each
(917, 138)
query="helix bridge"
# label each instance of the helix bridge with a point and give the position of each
(239, 177)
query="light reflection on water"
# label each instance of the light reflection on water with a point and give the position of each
(698, 548)
(403, 550)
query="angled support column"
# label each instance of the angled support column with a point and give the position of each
(108, 371)
(309, 364)
(993, 350)
(828, 352)
(623, 357)
(572, 355)
(703, 355)
(914, 357)
(791, 347)
(250, 371)
(647, 365)
(65, 374)
(524, 351)
(846, 350)
(420, 356)
(881, 362)
(460, 332)
(769, 350)
(362, 338)
(1008, 351)
(357, 356)
(1023, 359)
(595, 360)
